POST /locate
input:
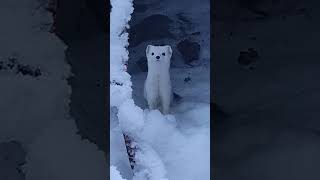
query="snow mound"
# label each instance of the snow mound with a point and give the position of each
(179, 138)
(120, 87)
(130, 117)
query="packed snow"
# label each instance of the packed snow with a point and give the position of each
(174, 146)
(115, 174)
(35, 109)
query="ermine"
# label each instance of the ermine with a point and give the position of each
(157, 87)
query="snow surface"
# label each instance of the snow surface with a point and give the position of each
(175, 146)
(35, 110)
(115, 174)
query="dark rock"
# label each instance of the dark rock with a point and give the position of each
(27, 70)
(153, 27)
(143, 64)
(189, 50)
(176, 97)
(131, 149)
(187, 79)
(12, 65)
(11, 62)
(248, 58)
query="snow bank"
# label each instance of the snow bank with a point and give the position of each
(130, 117)
(182, 141)
(120, 87)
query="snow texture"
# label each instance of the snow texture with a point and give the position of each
(35, 110)
(120, 88)
(115, 174)
(174, 146)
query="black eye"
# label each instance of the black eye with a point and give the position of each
(163, 54)
(152, 54)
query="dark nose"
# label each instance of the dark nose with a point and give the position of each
(158, 57)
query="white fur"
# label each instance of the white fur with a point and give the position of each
(157, 87)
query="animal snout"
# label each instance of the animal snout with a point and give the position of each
(158, 57)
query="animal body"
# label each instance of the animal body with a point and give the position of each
(157, 87)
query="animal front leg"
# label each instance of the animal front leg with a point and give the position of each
(152, 103)
(151, 97)
(166, 107)
(165, 101)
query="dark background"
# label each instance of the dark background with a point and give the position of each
(84, 27)
(266, 122)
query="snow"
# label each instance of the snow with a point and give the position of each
(115, 174)
(130, 117)
(179, 136)
(150, 165)
(35, 110)
(119, 17)
(174, 146)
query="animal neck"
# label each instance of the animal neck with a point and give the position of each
(155, 68)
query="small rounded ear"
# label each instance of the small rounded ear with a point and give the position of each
(148, 49)
(169, 49)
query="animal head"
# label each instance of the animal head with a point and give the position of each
(158, 53)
